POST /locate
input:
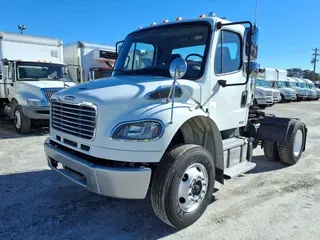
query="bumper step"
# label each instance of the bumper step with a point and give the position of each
(239, 169)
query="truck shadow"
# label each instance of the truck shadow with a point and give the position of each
(7, 130)
(263, 165)
(44, 204)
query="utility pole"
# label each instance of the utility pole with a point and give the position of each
(21, 28)
(315, 59)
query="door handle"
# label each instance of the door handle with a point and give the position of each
(11, 84)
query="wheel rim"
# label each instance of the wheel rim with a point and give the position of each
(17, 119)
(193, 187)
(297, 146)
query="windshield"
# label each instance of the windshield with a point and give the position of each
(39, 71)
(311, 85)
(263, 83)
(97, 73)
(294, 84)
(281, 84)
(303, 85)
(150, 52)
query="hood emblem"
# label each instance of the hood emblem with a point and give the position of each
(70, 98)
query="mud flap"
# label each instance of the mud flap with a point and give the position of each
(274, 129)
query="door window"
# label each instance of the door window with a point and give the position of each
(228, 53)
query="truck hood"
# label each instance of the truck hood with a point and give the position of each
(47, 84)
(121, 89)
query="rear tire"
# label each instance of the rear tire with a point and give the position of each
(290, 151)
(172, 198)
(271, 152)
(21, 122)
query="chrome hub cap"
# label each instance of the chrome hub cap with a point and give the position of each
(193, 187)
(297, 145)
(17, 119)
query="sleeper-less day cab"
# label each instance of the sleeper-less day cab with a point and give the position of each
(310, 85)
(31, 70)
(176, 116)
(266, 79)
(287, 94)
(301, 93)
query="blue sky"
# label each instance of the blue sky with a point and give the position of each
(289, 29)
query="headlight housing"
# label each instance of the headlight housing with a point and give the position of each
(259, 93)
(138, 131)
(34, 102)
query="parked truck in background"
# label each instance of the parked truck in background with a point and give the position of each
(282, 84)
(269, 75)
(31, 70)
(301, 93)
(87, 61)
(172, 122)
(304, 86)
(263, 95)
(310, 85)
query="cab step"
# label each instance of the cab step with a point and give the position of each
(239, 169)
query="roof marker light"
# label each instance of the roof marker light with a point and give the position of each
(152, 24)
(165, 21)
(202, 16)
(212, 14)
(179, 18)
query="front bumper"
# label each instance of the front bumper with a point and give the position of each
(264, 101)
(118, 182)
(288, 97)
(276, 99)
(36, 112)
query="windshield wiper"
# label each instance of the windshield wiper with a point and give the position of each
(29, 79)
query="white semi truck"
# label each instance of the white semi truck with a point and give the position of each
(171, 122)
(87, 61)
(263, 95)
(315, 92)
(269, 75)
(282, 84)
(301, 93)
(31, 70)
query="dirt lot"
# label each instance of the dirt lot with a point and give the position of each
(273, 201)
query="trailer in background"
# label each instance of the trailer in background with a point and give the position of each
(87, 61)
(31, 70)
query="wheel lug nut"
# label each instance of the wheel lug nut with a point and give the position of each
(203, 191)
(190, 194)
(197, 201)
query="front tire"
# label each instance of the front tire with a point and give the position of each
(290, 151)
(182, 185)
(21, 122)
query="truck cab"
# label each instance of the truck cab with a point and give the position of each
(264, 94)
(176, 116)
(301, 93)
(315, 92)
(282, 84)
(268, 76)
(27, 82)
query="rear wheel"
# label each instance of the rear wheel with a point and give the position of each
(21, 122)
(290, 151)
(271, 152)
(182, 185)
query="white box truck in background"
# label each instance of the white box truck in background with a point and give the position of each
(282, 84)
(87, 61)
(31, 70)
(269, 75)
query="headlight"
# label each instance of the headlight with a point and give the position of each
(141, 131)
(34, 102)
(260, 93)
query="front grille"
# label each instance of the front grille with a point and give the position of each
(77, 120)
(268, 93)
(49, 92)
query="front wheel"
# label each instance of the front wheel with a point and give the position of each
(21, 122)
(182, 185)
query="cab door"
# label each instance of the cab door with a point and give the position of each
(10, 81)
(231, 108)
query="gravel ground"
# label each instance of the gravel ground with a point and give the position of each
(272, 201)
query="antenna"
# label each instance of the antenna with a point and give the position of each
(255, 13)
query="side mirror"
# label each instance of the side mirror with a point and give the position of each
(253, 69)
(178, 68)
(118, 47)
(253, 51)
(5, 62)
